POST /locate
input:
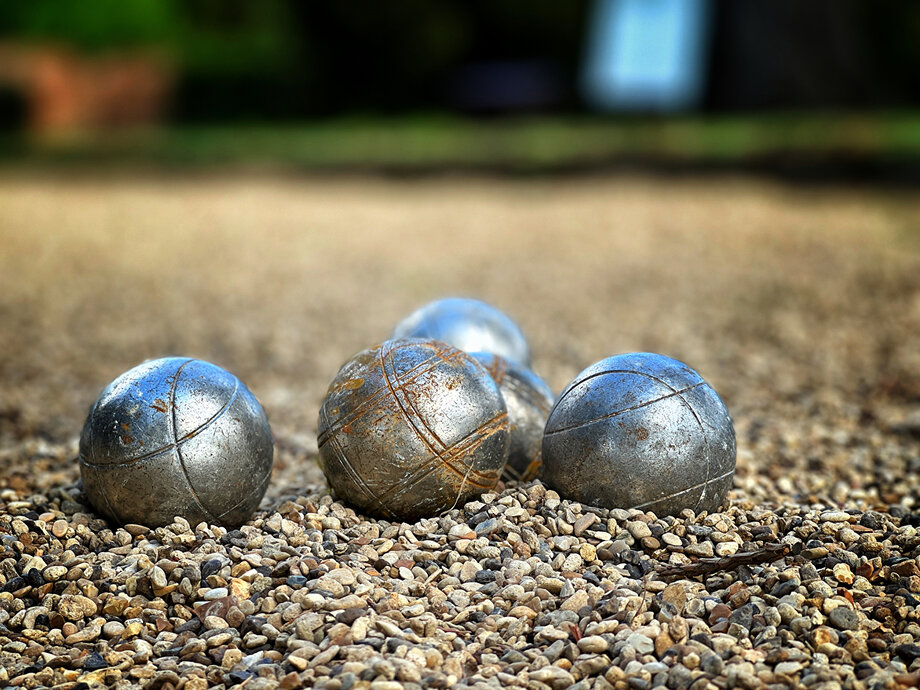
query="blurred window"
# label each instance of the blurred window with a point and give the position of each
(647, 54)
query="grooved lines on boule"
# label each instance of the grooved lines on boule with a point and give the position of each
(425, 433)
(512, 473)
(403, 400)
(355, 476)
(467, 444)
(170, 446)
(178, 451)
(709, 479)
(683, 491)
(527, 393)
(441, 455)
(530, 471)
(368, 403)
(674, 392)
(175, 446)
(497, 369)
(678, 393)
(260, 488)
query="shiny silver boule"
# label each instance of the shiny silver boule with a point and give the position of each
(529, 401)
(176, 436)
(469, 325)
(640, 431)
(412, 428)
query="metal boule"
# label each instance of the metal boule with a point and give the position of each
(176, 437)
(529, 401)
(411, 428)
(469, 325)
(641, 431)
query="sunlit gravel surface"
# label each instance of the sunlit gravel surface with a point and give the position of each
(800, 305)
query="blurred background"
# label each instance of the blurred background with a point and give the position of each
(271, 185)
(505, 84)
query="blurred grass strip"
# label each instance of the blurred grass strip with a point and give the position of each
(531, 144)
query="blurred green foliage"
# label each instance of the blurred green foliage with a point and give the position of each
(213, 36)
(423, 143)
(94, 26)
(236, 36)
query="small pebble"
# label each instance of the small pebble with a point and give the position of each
(844, 618)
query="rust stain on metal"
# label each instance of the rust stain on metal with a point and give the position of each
(386, 448)
(349, 384)
(529, 401)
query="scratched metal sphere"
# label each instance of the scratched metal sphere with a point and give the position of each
(412, 428)
(176, 436)
(529, 401)
(642, 431)
(468, 324)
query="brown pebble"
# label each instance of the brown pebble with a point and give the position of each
(718, 612)
(136, 530)
(662, 643)
(290, 681)
(906, 568)
(675, 595)
(583, 523)
(59, 528)
(650, 543)
(76, 607)
(720, 626)
(235, 617)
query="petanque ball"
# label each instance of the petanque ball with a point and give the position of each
(529, 401)
(640, 431)
(176, 437)
(469, 325)
(411, 428)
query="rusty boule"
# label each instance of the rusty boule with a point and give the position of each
(411, 428)
(640, 430)
(176, 437)
(529, 401)
(467, 324)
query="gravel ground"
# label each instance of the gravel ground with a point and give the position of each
(801, 307)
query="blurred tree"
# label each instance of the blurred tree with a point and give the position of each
(217, 36)
(239, 59)
(97, 26)
(235, 36)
